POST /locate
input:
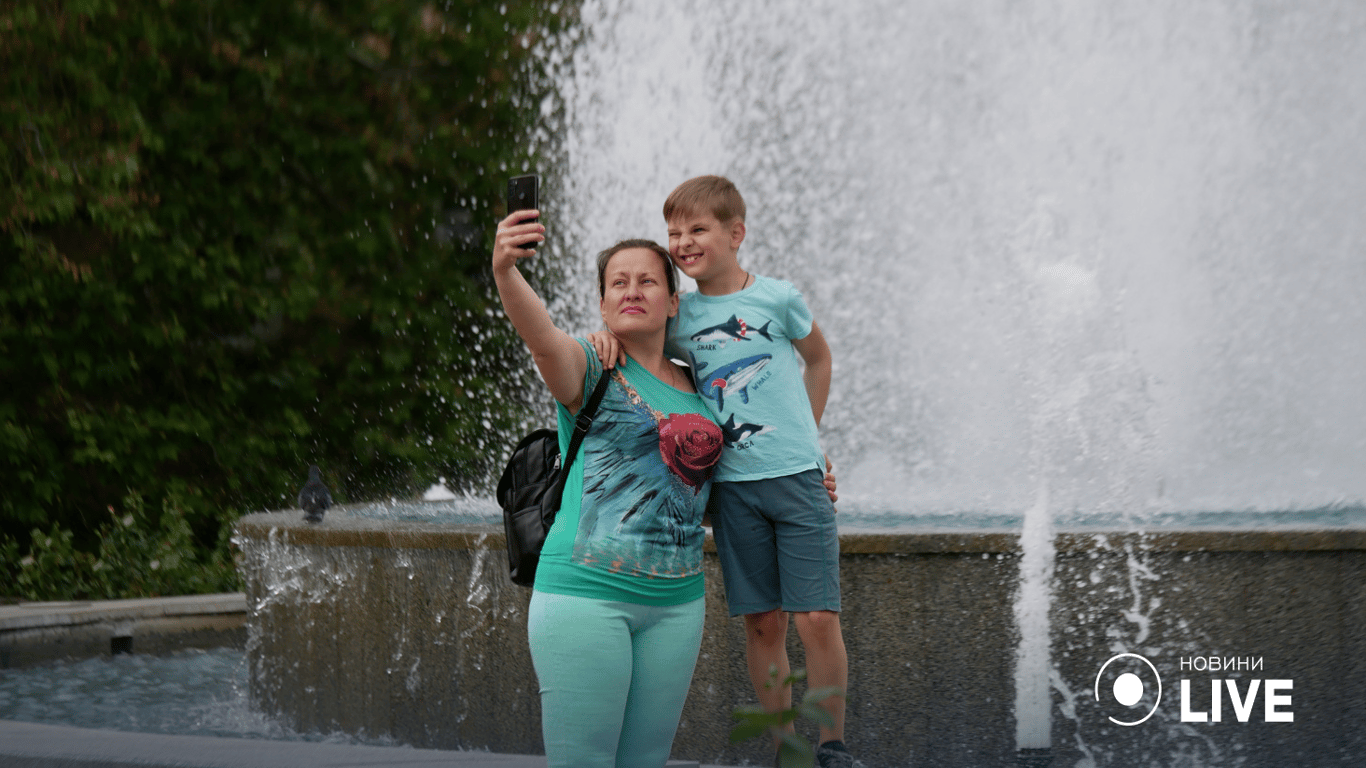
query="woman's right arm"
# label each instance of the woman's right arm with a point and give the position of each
(558, 356)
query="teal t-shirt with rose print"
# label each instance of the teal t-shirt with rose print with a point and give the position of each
(630, 523)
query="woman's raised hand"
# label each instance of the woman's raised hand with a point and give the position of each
(509, 243)
(558, 357)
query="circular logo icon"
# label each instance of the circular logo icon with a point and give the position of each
(1132, 686)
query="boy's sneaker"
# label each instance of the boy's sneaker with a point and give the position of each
(832, 754)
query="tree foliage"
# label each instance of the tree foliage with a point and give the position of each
(239, 238)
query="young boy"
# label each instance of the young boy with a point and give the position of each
(772, 518)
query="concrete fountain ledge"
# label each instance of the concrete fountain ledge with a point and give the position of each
(342, 529)
(412, 631)
(33, 632)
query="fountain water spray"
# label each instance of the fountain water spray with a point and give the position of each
(1078, 261)
(1074, 258)
(932, 177)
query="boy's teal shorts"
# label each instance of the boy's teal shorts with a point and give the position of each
(777, 542)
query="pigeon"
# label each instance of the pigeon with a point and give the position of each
(314, 498)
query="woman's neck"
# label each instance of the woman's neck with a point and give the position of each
(647, 351)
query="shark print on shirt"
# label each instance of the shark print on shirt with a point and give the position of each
(733, 329)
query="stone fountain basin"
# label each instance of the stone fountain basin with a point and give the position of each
(37, 632)
(412, 630)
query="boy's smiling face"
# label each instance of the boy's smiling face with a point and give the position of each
(704, 248)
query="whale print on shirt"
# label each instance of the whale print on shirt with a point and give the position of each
(730, 379)
(734, 433)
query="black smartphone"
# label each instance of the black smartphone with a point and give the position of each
(523, 195)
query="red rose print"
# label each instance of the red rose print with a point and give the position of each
(691, 446)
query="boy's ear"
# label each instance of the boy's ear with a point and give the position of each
(737, 233)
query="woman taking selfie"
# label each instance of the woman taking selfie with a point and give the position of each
(615, 621)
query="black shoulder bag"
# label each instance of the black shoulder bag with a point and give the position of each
(531, 486)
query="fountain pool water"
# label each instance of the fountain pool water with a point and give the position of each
(1091, 272)
(193, 692)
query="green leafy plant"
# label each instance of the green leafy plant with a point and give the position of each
(237, 239)
(140, 554)
(54, 569)
(794, 751)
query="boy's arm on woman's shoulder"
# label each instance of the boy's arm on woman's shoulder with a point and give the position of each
(609, 349)
(816, 355)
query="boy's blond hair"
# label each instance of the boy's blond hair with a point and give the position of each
(711, 194)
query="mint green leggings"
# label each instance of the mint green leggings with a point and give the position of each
(613, 677)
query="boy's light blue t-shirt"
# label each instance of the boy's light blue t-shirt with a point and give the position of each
(746, 369)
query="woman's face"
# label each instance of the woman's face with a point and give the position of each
(636, 294)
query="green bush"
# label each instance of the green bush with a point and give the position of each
(139, 555)
(794, 751)
(237, 239)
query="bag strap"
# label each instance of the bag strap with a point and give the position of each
(584, 421)
(581, 425)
